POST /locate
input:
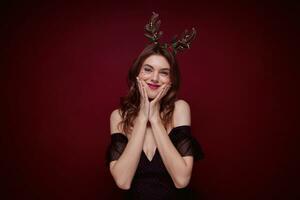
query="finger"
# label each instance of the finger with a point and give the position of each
(140, 88)
(145, 94)
(166, 89)
(145, 90)
(163, 93)
(138, 84)
(143, 85)
(157, 98)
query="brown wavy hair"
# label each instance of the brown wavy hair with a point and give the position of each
(130, 104)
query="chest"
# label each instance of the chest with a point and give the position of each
(150, 145)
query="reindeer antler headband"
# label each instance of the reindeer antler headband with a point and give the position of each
(153, 34)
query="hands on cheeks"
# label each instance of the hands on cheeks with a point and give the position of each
(150, 109)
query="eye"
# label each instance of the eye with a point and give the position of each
(146, 69)
(165, 73)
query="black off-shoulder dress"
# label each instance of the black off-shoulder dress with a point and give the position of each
(152, 180)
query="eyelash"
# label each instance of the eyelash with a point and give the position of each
(149, 70)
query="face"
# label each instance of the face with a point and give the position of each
(155, 71)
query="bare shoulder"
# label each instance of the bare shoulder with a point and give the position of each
(182, 106)
(115, 119)
(182, 113)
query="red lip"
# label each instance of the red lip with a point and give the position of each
(152, 86)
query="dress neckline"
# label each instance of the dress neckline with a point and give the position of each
(169, 134)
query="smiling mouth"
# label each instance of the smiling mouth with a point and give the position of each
(153, 87)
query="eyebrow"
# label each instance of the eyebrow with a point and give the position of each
(153, 67)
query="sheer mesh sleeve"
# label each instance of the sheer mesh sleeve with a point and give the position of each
(185, 143)
(116, 147)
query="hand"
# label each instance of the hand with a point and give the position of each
(144, 101)
(154, 114)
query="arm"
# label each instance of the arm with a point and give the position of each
(179, 168)
(124, 168)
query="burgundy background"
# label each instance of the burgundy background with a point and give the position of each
(65, 67)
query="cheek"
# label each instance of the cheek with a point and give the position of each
(166, 80)
(143, 75)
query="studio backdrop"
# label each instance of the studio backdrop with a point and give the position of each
(65, 67)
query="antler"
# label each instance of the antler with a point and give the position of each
(152, 28)
(184, 42)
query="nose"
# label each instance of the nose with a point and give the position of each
(155, 77)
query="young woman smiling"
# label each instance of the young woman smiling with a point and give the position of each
(152, 150)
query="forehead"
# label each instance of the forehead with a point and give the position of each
(157, 62)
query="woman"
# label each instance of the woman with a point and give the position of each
(152, 150)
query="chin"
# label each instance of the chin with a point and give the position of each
(151, 96)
